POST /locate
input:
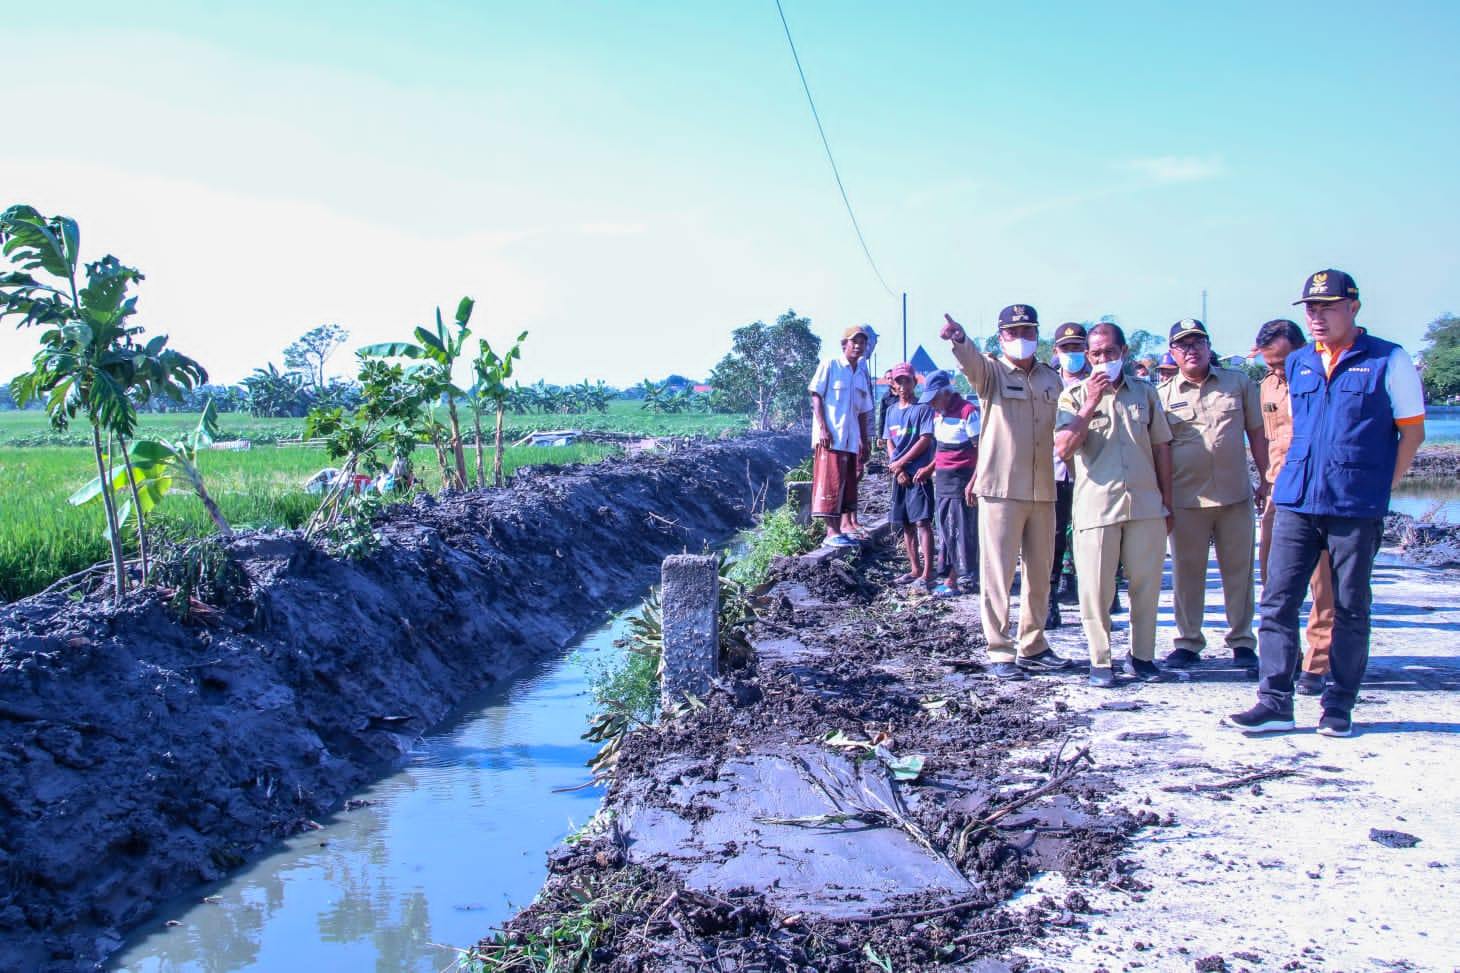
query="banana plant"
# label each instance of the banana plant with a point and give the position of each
(437, 352)
(154, 467)
(492, 372)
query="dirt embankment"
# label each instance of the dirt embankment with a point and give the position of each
(1436, 463)
(140, 755)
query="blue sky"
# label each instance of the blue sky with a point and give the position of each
(631, 181)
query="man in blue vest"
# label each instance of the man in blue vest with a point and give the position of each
(1358, 418)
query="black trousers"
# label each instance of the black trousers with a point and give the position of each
(1297, 540)
(1064, 505)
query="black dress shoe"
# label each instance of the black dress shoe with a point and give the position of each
(1143, 669)
(1047, 661)
(1181, 659)
(1102, 677)
(1009, 672)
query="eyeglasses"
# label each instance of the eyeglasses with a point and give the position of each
(1189, 347)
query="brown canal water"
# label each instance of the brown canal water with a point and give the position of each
(446, 849)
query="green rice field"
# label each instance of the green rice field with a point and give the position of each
(44, 538)
(30, 427)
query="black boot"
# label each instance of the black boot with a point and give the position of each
(1069, 591)
(1052, 618)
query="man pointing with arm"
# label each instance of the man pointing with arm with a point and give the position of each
(1014, 485)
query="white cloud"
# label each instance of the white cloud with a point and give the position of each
(1168, 169)
(233, 278)
(607, 228)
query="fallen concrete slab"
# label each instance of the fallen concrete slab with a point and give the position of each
(821, 833)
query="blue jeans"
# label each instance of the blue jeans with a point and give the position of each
(1297, 540)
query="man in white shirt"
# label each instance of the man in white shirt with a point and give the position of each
(841, 434)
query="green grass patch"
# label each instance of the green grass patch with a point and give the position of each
(777, 535)
(43, 538)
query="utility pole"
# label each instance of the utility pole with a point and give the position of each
(904, 326)
(1204, 309)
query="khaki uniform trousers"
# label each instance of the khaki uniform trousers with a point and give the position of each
(1141, 545)
(1320, 616)
(1235, 528)
(1007, 531)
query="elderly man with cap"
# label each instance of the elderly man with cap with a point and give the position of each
(956, 428)
(841, 434)
(1276, 340)
(1014, 485)
(909, 451)
(1069, 351)
(1358, 418)
(1215, 416)
(1111, 426)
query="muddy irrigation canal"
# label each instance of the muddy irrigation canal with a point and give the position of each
(142, 755)
(420, 863)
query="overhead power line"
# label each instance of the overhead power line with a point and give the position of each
(829, 157)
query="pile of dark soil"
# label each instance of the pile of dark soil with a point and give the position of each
(1433, 545)
(1000, 797)
(140, 754)
(1435, 463)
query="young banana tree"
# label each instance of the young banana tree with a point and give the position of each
(492, 372)
(437, 352)
(86, 364)
(155, 466)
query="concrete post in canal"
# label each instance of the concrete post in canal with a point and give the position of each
(798, 495)
(690, 600)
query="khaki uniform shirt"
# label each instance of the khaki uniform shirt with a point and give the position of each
(1209, 421)
(1277, 421)
(1115, 467)
(1016, 444)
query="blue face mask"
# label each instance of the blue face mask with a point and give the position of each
(1072, 361)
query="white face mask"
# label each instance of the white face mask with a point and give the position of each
(1112, 369)
(1019, 349)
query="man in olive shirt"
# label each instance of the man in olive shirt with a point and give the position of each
(1209, 408)
(1114, 430)
(1275, 341)
(1014, 485)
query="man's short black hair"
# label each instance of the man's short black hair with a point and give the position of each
(1280, 328)
(1110, 328)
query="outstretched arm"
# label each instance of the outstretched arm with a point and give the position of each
(973, 363)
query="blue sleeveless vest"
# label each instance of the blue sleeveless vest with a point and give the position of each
(1345, 441)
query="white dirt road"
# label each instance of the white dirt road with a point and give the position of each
(1270, 863)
